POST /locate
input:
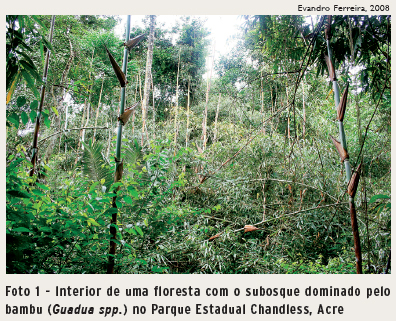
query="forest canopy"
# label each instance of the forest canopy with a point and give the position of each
(150, 152)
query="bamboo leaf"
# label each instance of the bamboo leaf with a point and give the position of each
(13, 86)
(30, 82)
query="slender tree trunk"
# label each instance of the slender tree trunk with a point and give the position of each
(188, 112)
(58, 102)
(97, 110)
(89, 101)
(152, 90)
(304, 115)
(177, 104)
(42, 97)
(205, 118)
(262, 100)
(148, 77)
(216, 118)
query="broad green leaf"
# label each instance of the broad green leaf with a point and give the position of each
(114, 186)
(47, 122)
(21, 229)
(13, 118)
(139, 230)
(128, 200)
(92, 221)
(24, 118)
(379, 196)
(55, 110)
(19, 194)
(93, 186)
(42, 186)
(21, 100)
(33, 105)
(110, 211)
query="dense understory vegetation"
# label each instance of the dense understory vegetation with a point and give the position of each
(233, 174)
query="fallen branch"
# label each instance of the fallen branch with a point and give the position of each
(66, 130)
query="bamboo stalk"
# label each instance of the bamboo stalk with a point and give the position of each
(353, 182)
(119, 162)
(42, 97)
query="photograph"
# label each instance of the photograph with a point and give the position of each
(198, 144)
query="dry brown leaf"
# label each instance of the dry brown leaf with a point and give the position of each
(214, 237)
(250, 228)
(343, 153)
(127, 113)
(354, 182)
(342, 105)
(330, 67)
(120, 75)
(328, 28)
(133, 42)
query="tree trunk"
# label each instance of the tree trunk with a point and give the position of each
(42, 97)
(148, 75)
(58, 103)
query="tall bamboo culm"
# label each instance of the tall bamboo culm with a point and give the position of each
(118, 161)
(352, 180)
(42, 97)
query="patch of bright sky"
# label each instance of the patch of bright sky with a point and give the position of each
(222, 29)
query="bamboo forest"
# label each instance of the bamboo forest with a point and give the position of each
(142, 148)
